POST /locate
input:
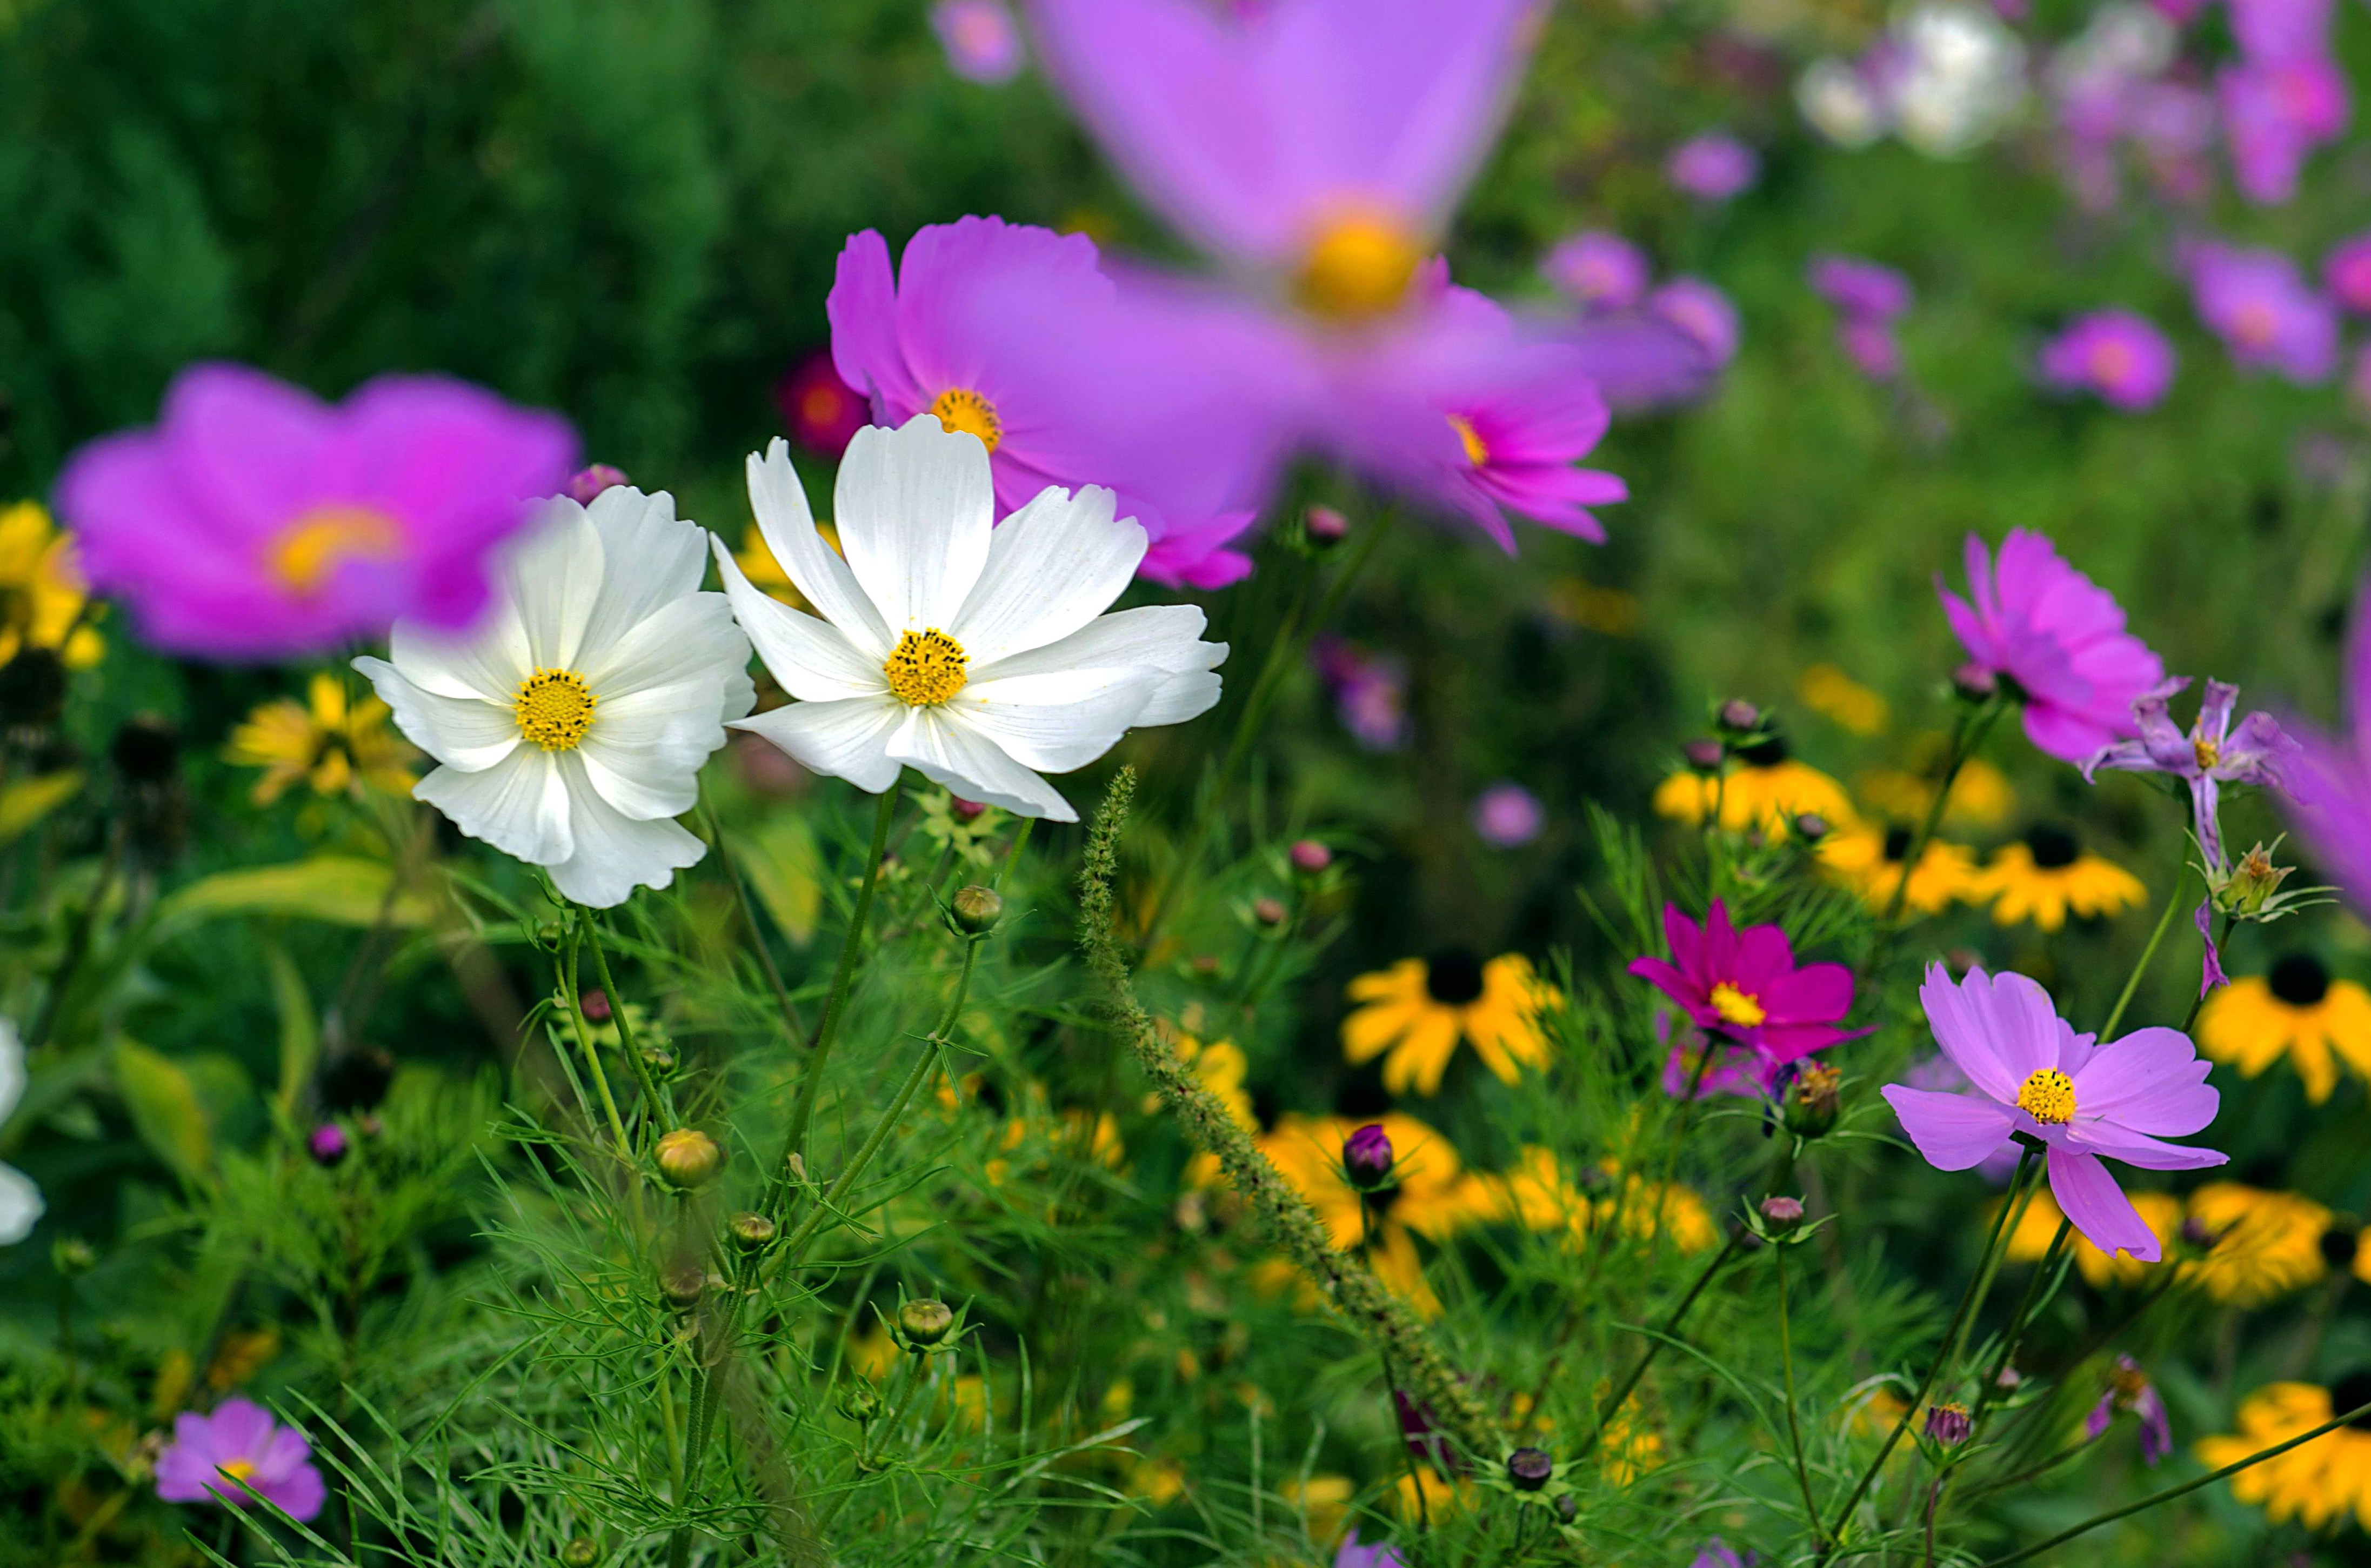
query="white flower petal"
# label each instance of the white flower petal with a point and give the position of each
(811, 659)
(687, 638)
(844, 741)
(812, 566)
(466, 734)
(12, 1069)
(1058, 721)
(952, 753)
(614, 852)
(519, 805)
(644, 750)
(915, 506)
(1164, 636)
(554, 577)
(1052, 568)
(490, 661)
(21, 1205)
(653, 558)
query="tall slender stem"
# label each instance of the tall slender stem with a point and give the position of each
(1966, 736)
(793, 1024)
(2041, 1272)
(2148, 954)
(642, 1069)
(576, 998)
(1671, 1320)
(1786, 1358)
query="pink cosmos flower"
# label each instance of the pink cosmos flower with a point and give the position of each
(1743, 990)
(2264, 311)
(1869, 299)
(2059, 638)
(255, 522)
(1714, 167)
(1508, 816)
(1599, 271)
(2346, 272)
(2275, 112)
(2208, 755)
(2281, 29)
(2329, 794)
(1369, 692)
(2119, 356)
(2034, 1077)
(821, 412)
(1702, 311)
(2130, 1389)
(236, 1451)
(981, 40)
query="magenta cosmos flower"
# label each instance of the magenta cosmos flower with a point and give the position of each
(255, 522)
(2347, 274)
(821, 412)
(1702, 311)
(2116, 354)
(1599, 271)
(1715, 166)
(236, 1451)
(1017, 336)
(2276, 114)
(2264, 311)
(2057, 639)
(981, 40)
(2032, 1076)
(2329, 779)
(1869, 297)
(1743, 988)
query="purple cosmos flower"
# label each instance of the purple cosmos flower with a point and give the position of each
(1017, 336)
(2208, 756)
(1508, 816)
(2042, 624)
(2033, 1076)
(238, 1450)
(2346, 272)
(1743, 988)
(1718, 1554)
(1599, 271)
(2118, 355)
(1702, 312)
(1383, 1554)
(328, 1143)
(1369, 692)
(1715, 166)
(2330, 796)
(2264, 311)
(2130, 1389)
(2276, 114)
(1868, 300)
(590, 481)
(2281, 29)
(255, 522)
(981, 40)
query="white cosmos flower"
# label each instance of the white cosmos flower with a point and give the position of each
(572, 721)
(977, 655)
(20, 1201)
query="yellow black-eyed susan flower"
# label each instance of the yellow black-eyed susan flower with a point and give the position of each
(1431, 1193)
(2048, 874)
(1981, 797)
(1543, 1196)
(1868, 859)
(1762, 787)
(2257, 1245)
(42, 596)
(1419, 1008)
(2346, 1247)
(2318, 1482)
(333, 745)
(2299, 1012)
(1824, 688)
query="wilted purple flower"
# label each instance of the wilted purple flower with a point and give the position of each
(255, 522)
(1599, 271)
(1508, 816)
(2330, 795)
(1383, 1554)
(2129, 1389)
(2264, 311)
(1713, 166)
(1948, 1423)
(1369, 692)
(2275, 112)
(981, 40)
(2208, 756)
(2117, 355)
(2346, 272)
(1702, 311)
(238, 1451)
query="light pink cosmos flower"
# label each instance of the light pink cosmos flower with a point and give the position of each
(2346, 272)
(1599, 271)
(2058, 639)
(2264, 311)
(255, 522)
(236, 1451)
(2275, 112)
(2117, 355)
(1702, 311)
(2033, 1077)
(1714, 167)
(1508, 816)
(1869, 297)
(2330, 778)
(981, 40)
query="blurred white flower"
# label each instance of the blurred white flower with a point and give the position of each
(1840, 103)
(1945, 77)
(573, 722)
(976, 655)
(20, 1201)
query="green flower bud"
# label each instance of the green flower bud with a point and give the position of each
(689, 1157)
(683, 1285)
(580, 1553)
(751, 1232)
(977, 908)
(925, 1323)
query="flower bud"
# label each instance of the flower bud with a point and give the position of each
(590, 482)
(751, 1232)
(658, 1057)
(2197, 1234)
(683, 1285)
(1972, 682)
(72, 1255)
(1269, 912)
(594, 1006)
(1782, 1214)
(1810, 827)
(1309, 857)
(1737, 716)
(2252, 883)
(925, 1322)
(964, 810)
(1325, 526)
(1948, 1423)
(859, 1402)
(1703, 754)
(1813, 1100)
(1528, 1469)
(1568, 1509)
(689, 1157)
(328, 1145)
(580, 1552)
(977, 908)
(794, 1169)
(1366, 1158)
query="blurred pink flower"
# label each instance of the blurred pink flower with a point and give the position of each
(2037, 622)
(2264, 311)
(2276, 114)
(821, 412)
(1599, 271)
(255, 522)
(1714, 167)
(2330, 781)
(2271, 31)
(1508, 816)
(1369, 692)
(2118, 355)
(2346, 272)
(1702, 311)
(261, 1457)
(981, 40)
(1869, 299)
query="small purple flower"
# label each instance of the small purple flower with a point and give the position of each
(1714, 167)
(1383, 1554)
(2346, 272)
(1702, 311)
(981, 40)
(328, 1143)
(2117, 355)
(2330, 795)
(1948, 1423)
(2208, 756)
(2129, 1389)
(1599, 271)
(1718, 1554)
(590, 482)
(2033, 1076)
(2264, 311)
(1508, 816)
(255, 522)
(2274, 115)
(1369, 692)
(1869, 299)
(236, 1451)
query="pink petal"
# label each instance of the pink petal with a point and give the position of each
(1955, 1012)
(2090, 1196)
(1954, 1132)
(1814, 994)
(2150, 1081)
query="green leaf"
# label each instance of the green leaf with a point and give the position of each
(26, 802)
(780, 860)
(300, 1032)
(343, 889)
(165, 1108)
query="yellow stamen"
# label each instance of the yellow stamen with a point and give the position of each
(238, 1470)
(2048, 1097)
(926, 668)
(555, 709)
(1735, 1006)
(2208, 752)
(1359, 266)
(960, 408)
(309, 550)
(1476, 452)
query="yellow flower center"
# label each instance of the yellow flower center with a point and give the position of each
(960, 408)
(1476, 452)
(926, 668)
(2255, 325)
(2048, 1097)
(1360, 266)
(555, 709)
(1735, 1006)
(309, 550)
(2207, 751)
(238, 1470)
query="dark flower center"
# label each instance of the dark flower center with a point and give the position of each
(2052, 846)
(1896, 843)
(1453, 977)
(2300, 981)
(2338, 1244)
(2352, 1392)
(1767, 753)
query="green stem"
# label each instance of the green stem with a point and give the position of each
(1786, 1358)
(592, 1052)
(793, 1024)
(1966, 736)
(1671, 1324)
(2148, 954)
(652, 1106)
(2017, 1325)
